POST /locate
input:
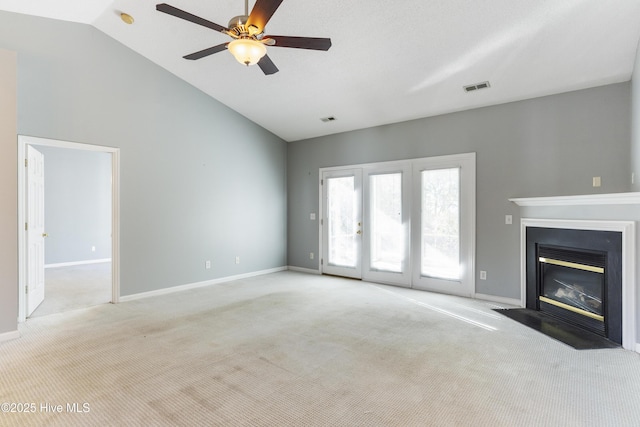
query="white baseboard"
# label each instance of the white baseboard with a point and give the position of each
(303, 270)
(8, 336)
(500, 300)
(72, 263)
(188, 286)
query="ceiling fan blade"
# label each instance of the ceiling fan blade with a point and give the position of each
(315, 43)
(206, 52)
(179, 13)
(262, 11)
(267, 66)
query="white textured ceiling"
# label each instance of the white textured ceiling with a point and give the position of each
(390, 61)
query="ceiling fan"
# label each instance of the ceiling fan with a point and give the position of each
(249, 41)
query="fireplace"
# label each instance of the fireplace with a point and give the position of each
(615, 212)
(576, 276)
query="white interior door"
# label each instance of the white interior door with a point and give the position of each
(35, 229)
(342, 223)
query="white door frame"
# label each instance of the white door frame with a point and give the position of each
(467, 161)
(23, 141)
(465, 285)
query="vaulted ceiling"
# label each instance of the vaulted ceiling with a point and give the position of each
(389, 61)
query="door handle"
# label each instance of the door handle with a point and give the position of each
(358, 232)
(45, 234)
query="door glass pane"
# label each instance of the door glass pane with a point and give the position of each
(386, 233)
(343, 225)
(441, 223)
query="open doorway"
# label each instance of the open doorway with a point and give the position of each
(80, 265)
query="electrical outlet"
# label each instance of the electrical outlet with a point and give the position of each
(237, 260)
(311, 255)
(483, 275)
(93, 248)
(207, 264)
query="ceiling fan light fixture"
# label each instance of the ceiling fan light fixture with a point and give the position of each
(247, 51)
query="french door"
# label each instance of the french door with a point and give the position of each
(387, 213)
(342, 223)
(407, 223)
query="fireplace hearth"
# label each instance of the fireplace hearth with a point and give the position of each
(576, 277)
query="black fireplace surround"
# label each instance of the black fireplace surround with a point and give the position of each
(588, 298)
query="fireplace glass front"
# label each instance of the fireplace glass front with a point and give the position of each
(572, 286)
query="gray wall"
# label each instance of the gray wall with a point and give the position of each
(8, 193)
(77, 204)
(541, 147)
(635, 122)
(198, 181)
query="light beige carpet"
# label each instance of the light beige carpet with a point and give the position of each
(72, 287)
(290, 349)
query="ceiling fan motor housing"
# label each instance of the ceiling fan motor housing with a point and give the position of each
(238, 26)
(238, 21)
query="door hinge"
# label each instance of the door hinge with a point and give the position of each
(26, 226)
(322, 182)
(26, 162)
(321, 261)
(321, 221)
(26, 289)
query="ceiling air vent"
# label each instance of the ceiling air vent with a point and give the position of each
(328, 119)
(477, 86)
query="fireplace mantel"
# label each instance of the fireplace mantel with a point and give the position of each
(581, 200)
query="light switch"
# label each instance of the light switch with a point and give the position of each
(508, 219)
(597, 181)
(312, 216)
